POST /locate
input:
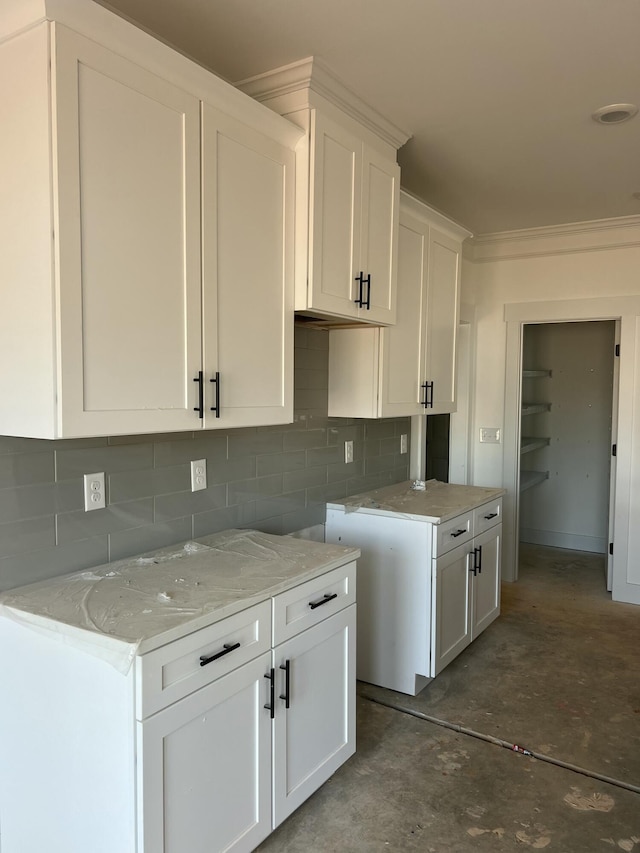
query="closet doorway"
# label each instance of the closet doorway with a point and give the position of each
(567, 435)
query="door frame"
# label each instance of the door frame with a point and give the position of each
(623, 310)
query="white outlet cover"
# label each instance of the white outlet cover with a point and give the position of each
(94, 492)
(198, 475)
(403, 443)
(348, 451)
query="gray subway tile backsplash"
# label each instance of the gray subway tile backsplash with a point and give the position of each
(275, 478)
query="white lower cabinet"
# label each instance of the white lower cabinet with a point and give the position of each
(467, 595)
(204, 774)
(426, 589)
(205, 745)
(314, 725)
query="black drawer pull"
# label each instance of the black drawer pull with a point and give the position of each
(287, 683)
(491, 515)
(325, 600)
(458, 533)
(205, 659)
(271, 707)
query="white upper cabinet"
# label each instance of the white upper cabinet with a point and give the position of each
(131, 275)
(409, 368)
(347, 195)
(248, 236)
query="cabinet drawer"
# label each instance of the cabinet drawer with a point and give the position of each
(452, 533)
(486, 516)
(167, 674)
(303, 606)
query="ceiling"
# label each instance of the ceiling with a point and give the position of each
(496, 94)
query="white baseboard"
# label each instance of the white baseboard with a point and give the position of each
(572, 541)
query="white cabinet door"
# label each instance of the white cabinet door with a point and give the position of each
(204, 766)
(379, 235)
(442, 321)
(403, 345)
(127, 176)
(353, 225)
(486, 582)
(334, 217)
(451, 615)
(248, 222)
(316, 733)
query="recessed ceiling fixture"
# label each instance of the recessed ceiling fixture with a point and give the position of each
(614, 113)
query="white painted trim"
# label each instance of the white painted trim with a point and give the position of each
(627, 498)
(416, 207)
(620, 232)
(570, 541)
(312, 75)
(417, 456)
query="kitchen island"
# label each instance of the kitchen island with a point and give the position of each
(183, 701)
(428, 577)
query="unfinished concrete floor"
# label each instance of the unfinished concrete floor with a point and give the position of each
(557, 674)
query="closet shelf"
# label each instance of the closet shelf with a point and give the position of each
(528, 479)
(529, 443)
(535, 408)
(536, 374)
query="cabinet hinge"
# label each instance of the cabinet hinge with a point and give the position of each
(618, 350)
(611, 547)
(614, 450)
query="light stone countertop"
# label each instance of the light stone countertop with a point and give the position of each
(438, 502)
(131, 606)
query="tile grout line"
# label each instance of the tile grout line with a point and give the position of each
(512, 747)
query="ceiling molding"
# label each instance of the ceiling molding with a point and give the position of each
(312, 75)
(620, 232)
(412, 204)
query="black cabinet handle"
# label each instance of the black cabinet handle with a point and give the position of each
(367, 301)
(216, 382)
(325, 600)
(200, 407)
(363, 279)
(429, 395)
(458, 533)
(479, 566)
(227, 647)
(287, 683)
(491, 515)
(271, 706)
(424, 402)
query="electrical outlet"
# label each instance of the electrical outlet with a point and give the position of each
(94, 492)
(403, 443)
(348, 451)
(198, 475)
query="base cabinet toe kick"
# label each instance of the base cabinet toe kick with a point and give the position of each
(205, 744)
(426, 588)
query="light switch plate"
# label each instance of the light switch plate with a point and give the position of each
(348, 451)
(489, 435)
(403, 443)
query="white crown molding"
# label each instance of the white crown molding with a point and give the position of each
(415, 206)
(312, 75)
(619, 232)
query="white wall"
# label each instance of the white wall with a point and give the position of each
(589, 271)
